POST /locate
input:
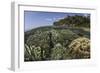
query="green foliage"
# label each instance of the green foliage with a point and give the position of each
(28, 53)
(54, 43)
(57, 52)
(32, 53)
(36, 52)
(73, 21)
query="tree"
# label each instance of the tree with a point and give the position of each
(51, 45)
(72, 21)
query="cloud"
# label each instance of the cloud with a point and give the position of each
(59, 18)
(52, 19)
(85, 15)
(49, 19)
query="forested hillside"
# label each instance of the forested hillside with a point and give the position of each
(74, 21)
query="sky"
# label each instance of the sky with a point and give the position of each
(34, 19)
